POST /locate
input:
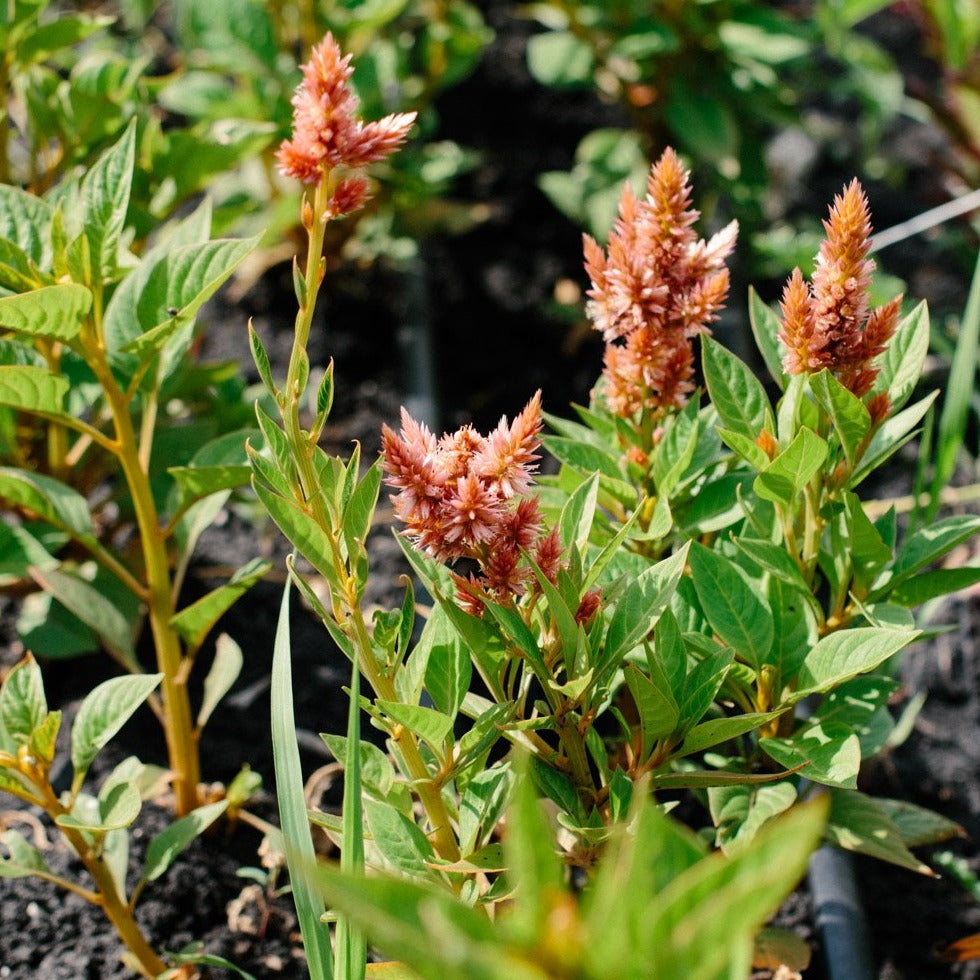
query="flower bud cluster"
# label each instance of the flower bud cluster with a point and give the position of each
(465, 496)
(654, 289)
(827, 323)
(328, 133)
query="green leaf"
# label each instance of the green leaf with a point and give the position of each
(430, 725)
(735, 392)
(718, 730)
(561, 59)
(691, 926)
(929, 585)
(358, 512)
(859, 823)
(196, 482)
(739, 812)
(656, 706)
(843, 655)
(195, 621)
(901, 364)
(736, 613)
(166, 845)
(261, 359)
(23, 859)
(786, 476)
(765, 328)
(225, 668)
(575, 522)
(891, 435)
(830, 750)
(32, 389)
(22, 703)
(49, 313)
(932, 542)
(847, 412)
(47, 498)
(297, 838)
(182, 280)
(402, 845)
(105, 200)
(103, 712)
(45, 39)
(747, 448)
(448, 668)
(94, 609)
(639, 608)
(25, 220)
(118, 807)
(918, 826)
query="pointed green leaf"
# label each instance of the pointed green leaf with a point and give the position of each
(786, 476)
(400, 842)
(929, 585)
(655, 705)
(739, 812)
(118, 808)
(49, 499)
(170, 842)
(859, 823)
(25, 219)
(765, 328)
(428, 724)
(847, 412)
(901, 364)
(23, 858)
(843, 655)
(195, 621)
(96, 611)
(718, 730)
(736, 613)
(103, 712)
(830, 750)
(890, 436)
(735, 392)
(48, 313)
(932, 542)
(225, 668)
(918, 826)
(22, 703)
(32, 389)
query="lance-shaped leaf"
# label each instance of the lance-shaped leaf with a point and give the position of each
(225, 668)
(765, 329)
(399, 841)
(890, 436)
(45, 39)
(98, 613)
(845, 654)
(918, 826)
(932, 542)
(103, 712)
(182, 280)
(105, 200)
(739, 812)
(195, 621)
(432, 726)
(783, 479)
(734, 610)
(717, 730)
(900, 366)
(858, 823)
(23, 706)
(197, 482)
(49, 499)
(830, 752)
(847, 412)
(117, 808)
(170, 842)
(23, 859)
(32, 389)
(25, 220)
(735, 391)
(50, 313)
(639, 608)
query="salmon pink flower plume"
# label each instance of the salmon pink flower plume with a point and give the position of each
(827, 324)
(656, 287)
(328, 133)
(465, 495)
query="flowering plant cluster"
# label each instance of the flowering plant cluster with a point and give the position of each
(647, 618)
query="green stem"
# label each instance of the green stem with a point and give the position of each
(178, 726)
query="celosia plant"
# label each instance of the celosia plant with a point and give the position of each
(622, 673)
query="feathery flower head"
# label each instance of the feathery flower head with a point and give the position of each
(328, 133)
(827, 323)
(656, 286)
(464, 495)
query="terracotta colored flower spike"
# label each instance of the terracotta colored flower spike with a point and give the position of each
(654, 288)
(827, 324)
(328, 133)
(465, 496)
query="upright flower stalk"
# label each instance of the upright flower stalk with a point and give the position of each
(329, 148)
(654, 289)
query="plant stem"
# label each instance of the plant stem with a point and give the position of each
(178, 726)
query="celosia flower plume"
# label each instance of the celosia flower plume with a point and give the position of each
(827, 323)
(464, 495)
(655, 288)
(328, 133)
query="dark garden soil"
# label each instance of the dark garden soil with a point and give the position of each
(488, 294)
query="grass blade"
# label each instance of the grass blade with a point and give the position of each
(956, 404)
(351, 945)
(298, 842)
